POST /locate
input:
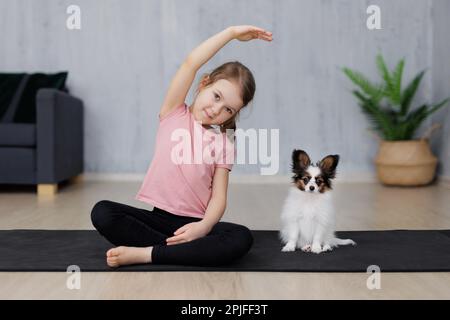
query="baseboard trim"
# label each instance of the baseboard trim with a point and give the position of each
(444, 181)
(363, 177)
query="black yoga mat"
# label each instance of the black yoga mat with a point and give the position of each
(391, 251)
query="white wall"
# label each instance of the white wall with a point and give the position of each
(122, 60)
(441, 83)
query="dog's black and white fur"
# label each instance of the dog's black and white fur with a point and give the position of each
(308, 218)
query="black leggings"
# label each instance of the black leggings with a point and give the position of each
(123, 225)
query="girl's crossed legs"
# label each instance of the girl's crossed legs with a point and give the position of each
(144, 234)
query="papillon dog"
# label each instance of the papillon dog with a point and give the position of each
(308, 218)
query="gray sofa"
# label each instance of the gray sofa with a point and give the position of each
(48, 151)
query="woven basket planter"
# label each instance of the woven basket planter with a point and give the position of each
(405, 163)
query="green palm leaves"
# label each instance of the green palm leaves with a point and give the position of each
(387, 106)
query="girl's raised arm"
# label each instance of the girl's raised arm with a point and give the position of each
(182, 81)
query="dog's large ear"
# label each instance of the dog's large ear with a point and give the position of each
(300, 160)
(328, 165)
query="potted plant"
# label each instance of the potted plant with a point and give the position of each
(401, 159)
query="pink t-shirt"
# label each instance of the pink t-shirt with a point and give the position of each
(179, 179)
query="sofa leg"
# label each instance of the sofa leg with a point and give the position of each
(77, 179)
(47, 189)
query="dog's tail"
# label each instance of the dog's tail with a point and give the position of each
(342, 242)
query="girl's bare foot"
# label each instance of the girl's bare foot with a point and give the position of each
(128, 255)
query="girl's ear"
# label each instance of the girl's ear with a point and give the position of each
(204, 81)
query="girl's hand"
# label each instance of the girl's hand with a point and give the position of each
(246, 33)
(189, 232)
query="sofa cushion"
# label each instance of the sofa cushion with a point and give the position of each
(9, 83)
(17, 135)
(18, 165)
(26, 109)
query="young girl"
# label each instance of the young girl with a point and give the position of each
(188, 199)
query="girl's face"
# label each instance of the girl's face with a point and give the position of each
(217, 103)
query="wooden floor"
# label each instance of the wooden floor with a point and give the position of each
(360, 206)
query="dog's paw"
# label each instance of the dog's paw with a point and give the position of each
(327, 248)
(316, 248)
(306, 248)
(289, 247)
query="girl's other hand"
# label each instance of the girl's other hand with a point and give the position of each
(246, 33)
(189, 232)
